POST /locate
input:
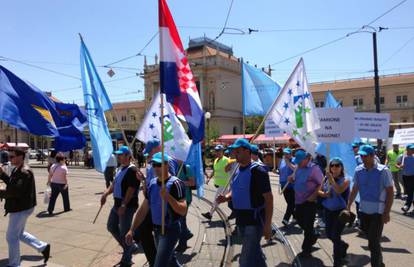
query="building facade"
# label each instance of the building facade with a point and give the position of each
(396, 96)
(217, 76)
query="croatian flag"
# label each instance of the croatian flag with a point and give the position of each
(176, 77)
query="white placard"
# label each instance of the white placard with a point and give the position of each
(271, 129)
(336, 125)
(372, 125)
(403, 136)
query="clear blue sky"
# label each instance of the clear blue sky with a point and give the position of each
(45, 32)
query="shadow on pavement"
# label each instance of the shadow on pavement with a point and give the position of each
(310, 261)
(291, 230)
(215, 224)
(391, 250)
(185, 258)
(4, 262)
(45, 214)
(357, 260)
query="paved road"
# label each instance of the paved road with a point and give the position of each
(77, 242)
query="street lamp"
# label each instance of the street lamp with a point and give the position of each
(207, 115)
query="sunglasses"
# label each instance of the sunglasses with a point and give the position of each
(156, 165)
(335, 165)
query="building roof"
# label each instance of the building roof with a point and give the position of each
(129, 104)
(366, 82)
(205, 41)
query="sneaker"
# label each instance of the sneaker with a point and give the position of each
(207, 215)
(285, 222)
(405, 209)
(46, 253)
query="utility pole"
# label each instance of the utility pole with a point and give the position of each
(376, 78)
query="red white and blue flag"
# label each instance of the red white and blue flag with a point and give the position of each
(176, 77)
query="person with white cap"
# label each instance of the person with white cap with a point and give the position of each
(374, 183)
(406, 164)
(308, 180)
(173, 197)
(125, 192)
(220, 177)
(252, 198)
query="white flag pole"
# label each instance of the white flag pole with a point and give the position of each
(162, 164)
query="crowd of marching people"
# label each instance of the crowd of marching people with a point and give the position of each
(317, 192)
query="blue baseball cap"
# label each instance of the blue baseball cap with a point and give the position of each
(241, 142)
(287, 150)
(151, 145)
(336, 160)
(366, 150)
(123, 150)
(410, 146)
(219, 147)
(157, 157)
(300, 155)
(254, 149)
(355, 144)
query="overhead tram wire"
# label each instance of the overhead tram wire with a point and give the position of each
(225, 23)
(397, 51)
(41, 68)
(110, 65)
(362, 28)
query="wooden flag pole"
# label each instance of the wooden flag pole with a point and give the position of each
(162, 165)
(97, 214)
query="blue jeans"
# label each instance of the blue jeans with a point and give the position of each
(165, 245)
(119, 227)
(16, 233)
(251, 253)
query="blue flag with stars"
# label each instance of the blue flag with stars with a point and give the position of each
(176, 141)
(96, 103)
(294, 110)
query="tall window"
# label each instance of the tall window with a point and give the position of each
(401, 99)
(132, 117)
(319, 104)
(358, 102)
(123, 118)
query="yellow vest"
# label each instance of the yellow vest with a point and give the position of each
(220, 175)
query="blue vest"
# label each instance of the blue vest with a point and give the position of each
(301, 179)
(284, 172)
(119, 177)
(408, 169)
(240, 188)
(149, 175)
(335, 201)
(358, 160)
(370, 183)
(155, 200)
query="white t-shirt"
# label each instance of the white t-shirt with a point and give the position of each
(59, 173)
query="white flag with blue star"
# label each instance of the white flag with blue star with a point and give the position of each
(176, 141)
(294, 110)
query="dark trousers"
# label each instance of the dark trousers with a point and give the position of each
(118, 226)
(409, 189)
(56, 190)
(109, 175)
(333, 231)
(289, 195)
(373, 227)
(144, 235)
(305, 215)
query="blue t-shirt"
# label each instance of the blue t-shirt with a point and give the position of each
(408, 168)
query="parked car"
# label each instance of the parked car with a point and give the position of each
(32, 154)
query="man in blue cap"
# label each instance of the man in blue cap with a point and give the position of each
(125, 191)
(308, 179)
(220, 177)
(286, 168)
(173, 197)
(406, 164)
(252, 203)
(374, 183)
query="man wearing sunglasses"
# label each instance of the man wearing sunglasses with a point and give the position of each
(374, 183)
(125, 191)
(20, 195)
(173, 197)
